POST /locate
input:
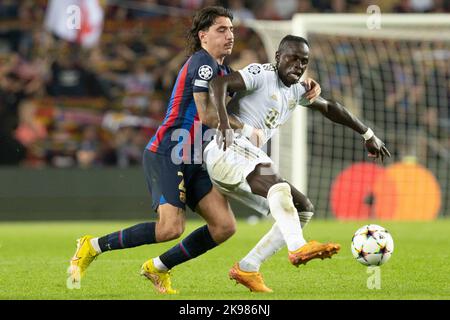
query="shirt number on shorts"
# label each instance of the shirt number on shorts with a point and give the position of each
(182, 188)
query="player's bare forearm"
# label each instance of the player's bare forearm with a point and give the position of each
(218, 89)
(201, 100)
(208, 113)
(213, 120)
(234, 122)
(338, 114)
(218, 95)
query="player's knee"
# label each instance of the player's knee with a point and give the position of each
(173, 234)
(279, 196)
(262, 179)
(224, 231)
(168, 233)
(229, 230)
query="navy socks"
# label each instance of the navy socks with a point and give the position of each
(143, 233)
(195, 244)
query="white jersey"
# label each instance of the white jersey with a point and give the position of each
(267, 103)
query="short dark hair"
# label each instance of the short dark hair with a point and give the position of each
(291, 38)
(202, 20)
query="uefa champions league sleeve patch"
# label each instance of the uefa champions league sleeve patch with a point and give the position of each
(205, 72)
(254, 69)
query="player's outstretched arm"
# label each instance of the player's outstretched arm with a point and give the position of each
(339, 114)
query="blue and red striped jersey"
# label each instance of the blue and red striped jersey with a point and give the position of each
(182, 113)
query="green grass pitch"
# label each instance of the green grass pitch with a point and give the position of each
(34, 259)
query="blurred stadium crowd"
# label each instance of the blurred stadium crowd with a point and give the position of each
(62, 105)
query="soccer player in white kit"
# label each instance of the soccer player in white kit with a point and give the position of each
(266, 96)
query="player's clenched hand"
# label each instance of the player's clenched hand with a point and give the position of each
(225, 135)
(376, 148)
(314, 89)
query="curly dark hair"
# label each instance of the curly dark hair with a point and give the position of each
(202, 20)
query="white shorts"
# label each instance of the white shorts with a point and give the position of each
(229, 169)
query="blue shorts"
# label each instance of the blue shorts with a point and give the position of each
(176, 184)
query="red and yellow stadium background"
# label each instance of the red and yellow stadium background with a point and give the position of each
(402, 191)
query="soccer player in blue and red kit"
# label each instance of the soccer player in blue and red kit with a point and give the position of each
(174, 174)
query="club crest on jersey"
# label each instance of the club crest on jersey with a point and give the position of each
(205, 72)
(292, 104)
(254, 69)
(269, 67)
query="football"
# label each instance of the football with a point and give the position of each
(372, 245)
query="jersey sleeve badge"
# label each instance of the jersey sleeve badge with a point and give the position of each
(254, 69)
(205, 72)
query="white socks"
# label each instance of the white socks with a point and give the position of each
(159, 264)
(285, 214)
(270, 244)
(266, 247)
(95, 245)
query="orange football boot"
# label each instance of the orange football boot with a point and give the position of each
(313, 250)
(252, 280)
